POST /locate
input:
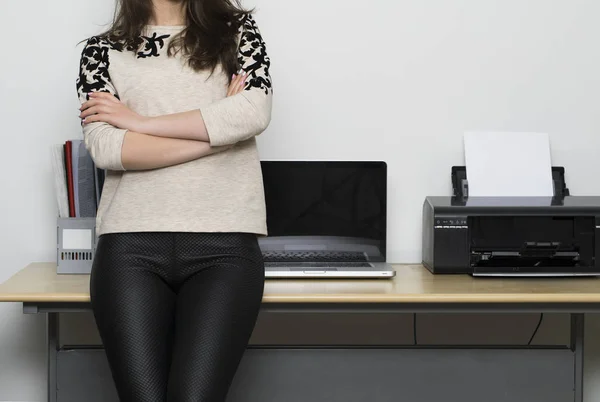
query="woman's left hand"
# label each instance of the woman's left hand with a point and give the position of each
(104, 107)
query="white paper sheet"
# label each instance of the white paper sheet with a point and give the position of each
(508, 164)
(60, 180)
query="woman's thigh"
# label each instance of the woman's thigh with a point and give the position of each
(216, 311)
(134, 311)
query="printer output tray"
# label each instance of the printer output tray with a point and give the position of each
(532, 246)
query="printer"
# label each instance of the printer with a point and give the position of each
(511, 236)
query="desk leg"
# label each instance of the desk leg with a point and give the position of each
(577, 331)
(52, 350)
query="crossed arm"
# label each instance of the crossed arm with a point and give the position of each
(119, 139)
(155, 142)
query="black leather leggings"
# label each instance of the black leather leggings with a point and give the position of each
(175, 311)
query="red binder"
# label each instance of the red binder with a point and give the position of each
(69, 169)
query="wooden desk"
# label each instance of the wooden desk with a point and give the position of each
(39, 283)
(413, 289)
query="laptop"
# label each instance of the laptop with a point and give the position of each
(325, 219)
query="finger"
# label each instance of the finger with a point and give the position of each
(95, 110)
(235, 82)
(88, 112)
(86, 105)
(231, 84)
(91, 103)
(235, 86)
(240, 86)
(103, 95)
(243, 82)
(100, 95)
(96, 118)
(98, 102)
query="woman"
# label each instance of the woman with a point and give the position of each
(172, 98)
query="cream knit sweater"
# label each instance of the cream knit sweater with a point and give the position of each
(222, 192)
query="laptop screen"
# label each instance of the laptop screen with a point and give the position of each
(327, 210)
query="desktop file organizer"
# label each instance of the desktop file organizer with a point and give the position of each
(76, 245)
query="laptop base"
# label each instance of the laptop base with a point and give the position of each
(375, 271)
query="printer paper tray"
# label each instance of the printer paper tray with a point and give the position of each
(528, 263)
(515, 259)
(529, 270)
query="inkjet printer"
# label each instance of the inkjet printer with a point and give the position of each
(512, 236)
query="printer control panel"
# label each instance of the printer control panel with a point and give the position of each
(450, 222)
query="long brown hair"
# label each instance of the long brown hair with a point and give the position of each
(208, 40)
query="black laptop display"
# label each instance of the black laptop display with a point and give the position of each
(325, 212)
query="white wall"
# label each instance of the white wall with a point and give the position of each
(38, 107)
(393, 80)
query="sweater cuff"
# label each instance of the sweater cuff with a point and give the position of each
(218, 122)
(117, 162)
(105, 143)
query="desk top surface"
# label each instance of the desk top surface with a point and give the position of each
(38, 282)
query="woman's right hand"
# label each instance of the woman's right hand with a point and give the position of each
(238, 81)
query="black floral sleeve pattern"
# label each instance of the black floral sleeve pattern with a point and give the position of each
(252, 56)
(93, 69)
(152, 46)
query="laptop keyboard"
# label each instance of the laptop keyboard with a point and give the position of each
(281, 257)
